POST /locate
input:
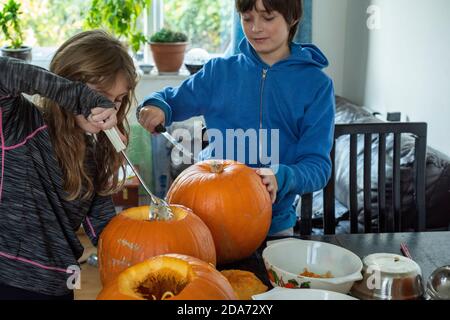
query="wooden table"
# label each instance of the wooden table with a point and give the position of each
(429, 249)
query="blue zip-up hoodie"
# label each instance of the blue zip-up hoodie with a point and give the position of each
(242, 92)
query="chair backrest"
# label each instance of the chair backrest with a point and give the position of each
(388, 220)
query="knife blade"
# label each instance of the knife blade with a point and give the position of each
(162, 130)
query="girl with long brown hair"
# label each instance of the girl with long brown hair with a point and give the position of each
(58, 169)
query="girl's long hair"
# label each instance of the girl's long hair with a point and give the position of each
(91, 57)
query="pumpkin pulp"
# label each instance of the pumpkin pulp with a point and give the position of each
(156, 285)
(163, 277)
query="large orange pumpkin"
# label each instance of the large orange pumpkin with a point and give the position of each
(131, 237)
(169, 277)
(233, 202)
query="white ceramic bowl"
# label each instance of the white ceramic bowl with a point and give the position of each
(279, 293)
(285, 260)
(146, 68)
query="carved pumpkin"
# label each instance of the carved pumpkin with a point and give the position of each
(171, 277)
(131, 237)
(233, 202)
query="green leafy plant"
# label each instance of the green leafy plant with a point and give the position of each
(208, 23)
(167, 36)
(10, 24)
(120, 17)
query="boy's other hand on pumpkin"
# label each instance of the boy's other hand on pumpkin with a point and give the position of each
(270, 181)
(150, 117)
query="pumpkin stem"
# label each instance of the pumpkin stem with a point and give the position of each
(217, 166)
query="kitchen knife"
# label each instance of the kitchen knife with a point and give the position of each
(162, 130)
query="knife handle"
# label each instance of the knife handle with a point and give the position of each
(114, 137)
(160, 128)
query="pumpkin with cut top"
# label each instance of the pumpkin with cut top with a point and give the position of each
(137, 234)
(169, 277)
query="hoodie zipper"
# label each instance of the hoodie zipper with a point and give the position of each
(263, 80)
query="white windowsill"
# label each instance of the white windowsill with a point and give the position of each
(154, 75)
(42, 56)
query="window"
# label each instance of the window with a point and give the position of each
(208, 23)
(48, 23)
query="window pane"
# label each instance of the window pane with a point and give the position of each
(48, 23)
(206, 22)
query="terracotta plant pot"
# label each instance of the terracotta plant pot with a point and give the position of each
(23, 53)
(168, 57)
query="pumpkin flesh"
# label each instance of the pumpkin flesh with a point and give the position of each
(170, 276)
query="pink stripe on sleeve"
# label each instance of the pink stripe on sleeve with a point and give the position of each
(88, 221)
(36, 264)
(26, 139)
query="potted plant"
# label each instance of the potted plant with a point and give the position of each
(168, 48)
(119, 17)
(12, 30)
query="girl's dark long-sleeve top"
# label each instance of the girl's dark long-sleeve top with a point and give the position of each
(38, 241)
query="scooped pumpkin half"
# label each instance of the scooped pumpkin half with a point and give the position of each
(169, 277)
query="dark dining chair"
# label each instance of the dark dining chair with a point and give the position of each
(388, 197)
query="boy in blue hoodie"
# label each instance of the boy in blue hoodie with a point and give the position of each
(273, 84)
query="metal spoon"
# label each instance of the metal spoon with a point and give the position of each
(159, 208)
